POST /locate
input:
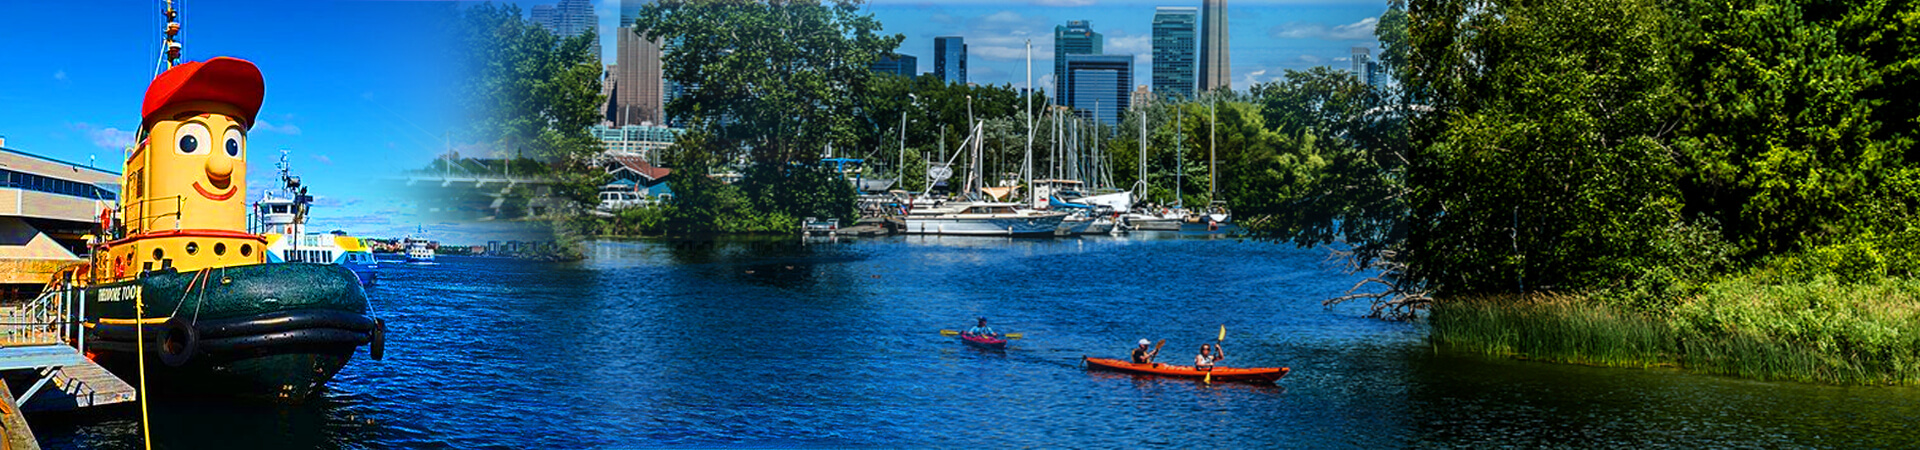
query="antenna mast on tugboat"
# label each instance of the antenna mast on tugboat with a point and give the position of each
(170, 40)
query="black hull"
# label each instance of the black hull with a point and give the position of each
(278, 331)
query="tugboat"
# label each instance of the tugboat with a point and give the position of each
(175, 263)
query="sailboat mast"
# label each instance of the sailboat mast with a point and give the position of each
(1029, 163)
(1142, 118)
(1213, 120)
(1179, 156)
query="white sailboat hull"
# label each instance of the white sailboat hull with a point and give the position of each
(965, 225)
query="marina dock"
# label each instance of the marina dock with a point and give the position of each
(58, 376)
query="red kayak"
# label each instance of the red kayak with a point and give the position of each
(1220, 373)
(982, 341)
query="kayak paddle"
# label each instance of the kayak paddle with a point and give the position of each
(1008, 335)
(1216, 344)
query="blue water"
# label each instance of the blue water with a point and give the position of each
(776, 343)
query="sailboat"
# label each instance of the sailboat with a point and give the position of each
(979, 218)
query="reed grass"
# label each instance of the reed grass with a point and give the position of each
(1819, 331)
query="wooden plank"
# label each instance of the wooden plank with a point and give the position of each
(14, 424)
(80, 385)
(33, 356)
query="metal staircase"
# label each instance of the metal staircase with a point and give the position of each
(39, 341)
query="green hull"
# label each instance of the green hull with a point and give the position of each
(278, 331)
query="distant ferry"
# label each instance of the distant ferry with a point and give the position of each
(419, 250)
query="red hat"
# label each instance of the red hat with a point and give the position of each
(222, 80)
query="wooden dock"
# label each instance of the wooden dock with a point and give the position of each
(66, 380)
(34, 351)
(14, 423)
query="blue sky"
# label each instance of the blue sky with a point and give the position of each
(354, 89)
(1266, 37)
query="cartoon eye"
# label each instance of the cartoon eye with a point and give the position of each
(236, 143)
(191, 136)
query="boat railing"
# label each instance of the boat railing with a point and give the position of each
(146, 212)
(46, 320)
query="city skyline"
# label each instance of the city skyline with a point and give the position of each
(1272, 36)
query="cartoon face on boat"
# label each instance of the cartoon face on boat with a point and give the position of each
(194, 155)
(183, 195)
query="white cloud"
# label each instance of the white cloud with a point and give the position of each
(323, 159)
(109, 138)
(60, 75)
(289, 129)
(1357, 31)
(1068, 3)
(1253, 78)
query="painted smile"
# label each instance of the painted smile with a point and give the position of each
(213, 196)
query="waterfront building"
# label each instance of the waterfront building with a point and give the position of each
(47, 207)
(642, 140)
(1099, 86)
(1216, 71)
(1074, 38)
(950, 59)
(1141, 98)
(897, 64)
(1174, 50)
(635, 174)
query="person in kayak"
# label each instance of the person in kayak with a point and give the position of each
(982, 330)
(1144, 355)
(1206, 358)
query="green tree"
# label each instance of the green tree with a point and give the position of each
(532, 93)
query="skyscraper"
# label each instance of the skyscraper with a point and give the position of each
(1216, 72)
(568, 18)
(1074, 38)
(1363, 65)
(637, 95)
(1099, 86)
(897, 64)
(950, 59)
(1174, 50)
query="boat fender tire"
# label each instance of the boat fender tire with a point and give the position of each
(178, 342)
(377, 342)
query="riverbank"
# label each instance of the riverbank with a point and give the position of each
(1821, 331)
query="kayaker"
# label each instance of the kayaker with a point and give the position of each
(1144, 355)
(982, 329)
(1206, 358)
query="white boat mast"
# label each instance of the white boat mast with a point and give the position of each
(1141, 186)
(1029, 160)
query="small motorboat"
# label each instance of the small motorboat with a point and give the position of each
(1220, 373)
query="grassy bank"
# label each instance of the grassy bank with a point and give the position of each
(1818, 331)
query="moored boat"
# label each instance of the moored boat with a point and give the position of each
(281, 217)
(176, 264)
(983, 219)
(1219, 373)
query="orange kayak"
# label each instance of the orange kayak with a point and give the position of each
(1261, 374)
